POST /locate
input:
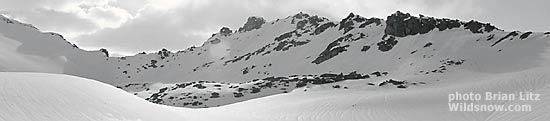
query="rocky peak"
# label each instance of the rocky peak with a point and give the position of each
(104, 51)
(350, 16)
(163, 53)
(478, 27)
(347, 23)
(301, 15)
(402, 24)
(225, 31)
(313, 21)
(252, 23)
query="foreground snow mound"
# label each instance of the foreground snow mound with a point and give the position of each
(53, 97)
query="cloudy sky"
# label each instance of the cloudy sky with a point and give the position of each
(131, 26)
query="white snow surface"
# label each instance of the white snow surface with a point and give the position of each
(414, 104)
(55, 97)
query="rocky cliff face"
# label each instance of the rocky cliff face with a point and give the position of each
(225, 31)
(400, 24)
(252, 23)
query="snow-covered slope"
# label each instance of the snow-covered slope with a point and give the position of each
(367, 103)
(301, 44)
(54, 97)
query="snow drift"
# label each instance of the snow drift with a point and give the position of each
(54, 97)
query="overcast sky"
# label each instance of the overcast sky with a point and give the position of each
(132, 26)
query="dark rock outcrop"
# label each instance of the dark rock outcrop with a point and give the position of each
(478, 27)
(402, 24)
(365, 48)
(347, 23)
(287, 35)
(336, 47)
(445, 64)
(323, 27)
(285, 45)
(397, 83)
(245, 70)
(199, 86)
(444, 24)
(369, 21)
(525, 35)
(215, 95)
(237, 94)
(164, 53)
(252, 23)
(301, 15)
(387, 44)
(308, 21)
(104, 51)
(225, 31)
(511, 34)
(428, 45)
(215, 41)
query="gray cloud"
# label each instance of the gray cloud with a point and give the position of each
(192, 22)
(52, 20)
(68, 17)
(132, 6)
(175, 29)
(21, 5)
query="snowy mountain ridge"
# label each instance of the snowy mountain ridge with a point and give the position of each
(300, 51)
